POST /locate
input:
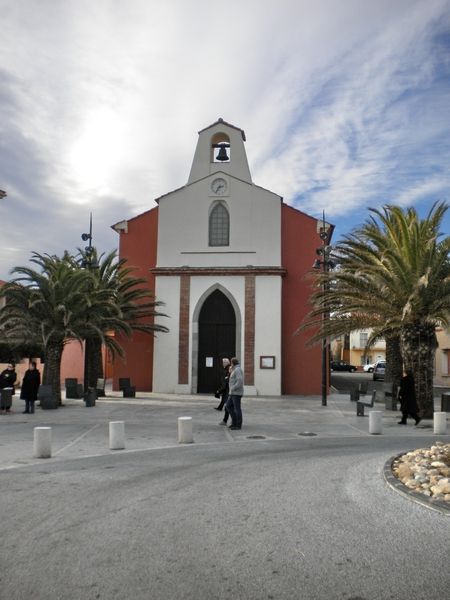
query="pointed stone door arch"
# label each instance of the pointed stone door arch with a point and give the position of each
(216, 339)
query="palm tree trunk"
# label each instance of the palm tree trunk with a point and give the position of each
(94, 361)
(394, 360)
(52, 368)
(419, 347)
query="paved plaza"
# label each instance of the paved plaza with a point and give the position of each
(151, 422)
(293, 506)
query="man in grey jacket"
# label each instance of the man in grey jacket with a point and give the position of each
(236, 391)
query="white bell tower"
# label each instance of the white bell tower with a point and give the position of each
(220, 148)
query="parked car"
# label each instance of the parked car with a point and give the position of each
(369, 368)
(341, 365)
(379, 370)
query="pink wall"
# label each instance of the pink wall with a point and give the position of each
(72, 363)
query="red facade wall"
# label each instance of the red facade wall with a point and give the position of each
(139, 247)
(301, 364)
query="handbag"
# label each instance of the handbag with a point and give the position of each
(217, 394)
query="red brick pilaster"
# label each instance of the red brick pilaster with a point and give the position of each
(183, 336)
(249, 331)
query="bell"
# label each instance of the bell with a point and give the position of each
(222, 154)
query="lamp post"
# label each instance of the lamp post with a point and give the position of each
(325, 264)
(87, 262)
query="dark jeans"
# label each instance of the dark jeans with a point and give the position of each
(29, 406)
(228, 408)
(234, 406)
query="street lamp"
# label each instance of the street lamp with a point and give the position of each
(87, 262)
(325, 264)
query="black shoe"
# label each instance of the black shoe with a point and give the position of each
(418, 420)
(217, 408)
(234, 427)
(402, 422)
(26, 412)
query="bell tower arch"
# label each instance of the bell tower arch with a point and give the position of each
(220, 148)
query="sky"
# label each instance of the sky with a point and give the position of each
(345, 105)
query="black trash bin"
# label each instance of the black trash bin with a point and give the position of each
(129, 392)
(47, 398)
(73, 388)
(354, 393)
(445, 403)
(90, 397)
(124, 382)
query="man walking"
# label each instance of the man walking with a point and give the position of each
(236, 390)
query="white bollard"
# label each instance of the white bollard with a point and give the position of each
(116, 435)
(42, 442)
(185, 435)
(440, 422)
(375, 422)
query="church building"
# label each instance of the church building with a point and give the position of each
(230, 260)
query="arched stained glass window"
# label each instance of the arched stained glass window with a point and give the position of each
(219, 226)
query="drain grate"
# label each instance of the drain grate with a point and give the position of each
(307, 434)
(256, 437)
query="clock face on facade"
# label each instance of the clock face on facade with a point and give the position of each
(219, 186)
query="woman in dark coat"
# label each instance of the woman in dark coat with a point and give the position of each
(7, 379)
(30, 385)
(407, 397)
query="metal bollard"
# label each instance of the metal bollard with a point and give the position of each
(440, 422)
(116, 435)
(42, 442)
(185, 435)
(375, 422)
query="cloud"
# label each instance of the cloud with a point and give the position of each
(345, 106)
(376, 125)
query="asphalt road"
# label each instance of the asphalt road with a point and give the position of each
(343, 381)
(308, 518)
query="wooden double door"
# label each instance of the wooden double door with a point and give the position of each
(216, 340)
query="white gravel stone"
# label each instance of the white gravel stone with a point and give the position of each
(426, 470)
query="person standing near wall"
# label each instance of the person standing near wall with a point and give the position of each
(7, 380)
(30, 386)
(236, 391)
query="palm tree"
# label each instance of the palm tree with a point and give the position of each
(63, 301)
(394, 276)
(119, 304)
(46, 306)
